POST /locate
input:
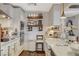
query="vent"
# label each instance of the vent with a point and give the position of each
(74, 6)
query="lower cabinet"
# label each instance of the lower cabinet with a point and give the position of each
(11, 49)
(4, 51)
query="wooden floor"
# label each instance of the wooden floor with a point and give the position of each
(32, 53)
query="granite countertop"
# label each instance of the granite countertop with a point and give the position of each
(59, 47)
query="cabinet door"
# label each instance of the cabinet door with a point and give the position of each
(4, 51)
(11, 50)
(17, 47)
(9, 54)
(14, 48)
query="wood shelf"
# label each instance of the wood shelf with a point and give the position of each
(35, 16)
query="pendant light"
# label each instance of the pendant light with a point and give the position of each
(63, 15)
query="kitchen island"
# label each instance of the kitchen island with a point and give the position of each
(60, 47)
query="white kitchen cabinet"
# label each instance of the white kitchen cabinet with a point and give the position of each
(17, 47)
(8, 50)
(11, 49)
(4, 51)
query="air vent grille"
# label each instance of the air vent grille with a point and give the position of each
(74, 6)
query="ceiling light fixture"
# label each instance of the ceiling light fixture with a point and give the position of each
(63, 15)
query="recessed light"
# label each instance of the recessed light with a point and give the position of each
(4, 16)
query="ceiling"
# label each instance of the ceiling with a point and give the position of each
(45, 7)
(41, 7)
